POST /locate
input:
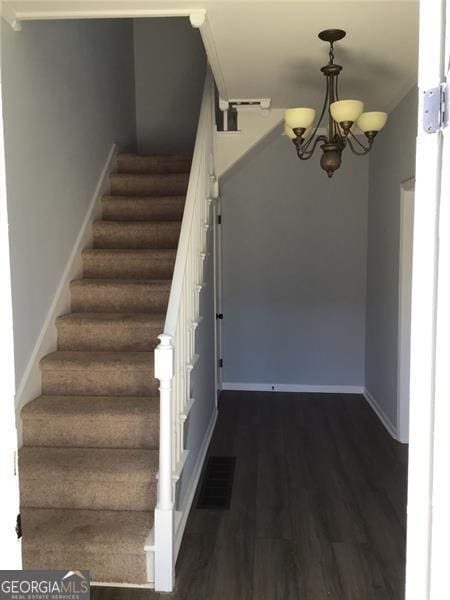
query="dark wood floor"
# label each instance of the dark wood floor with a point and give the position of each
(318, 508)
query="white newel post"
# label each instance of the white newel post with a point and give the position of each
(164, 516)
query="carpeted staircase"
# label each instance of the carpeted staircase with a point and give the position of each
(90, 456)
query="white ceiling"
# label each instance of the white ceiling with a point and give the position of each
(270, 49)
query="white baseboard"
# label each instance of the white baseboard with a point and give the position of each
(293, 387)
(195, 477)
(30, 384)
(143, 586)
(392, 430)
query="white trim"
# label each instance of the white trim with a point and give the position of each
(183, 513)
(404, 307)
(144, 586)
(440, 544)
(294, 387)
(390, 427)
(58, 12)
(10, 547)
(30, 385)
(204, 26)
(9, 15)
(432, 70)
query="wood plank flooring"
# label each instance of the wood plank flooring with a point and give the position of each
(318, 510)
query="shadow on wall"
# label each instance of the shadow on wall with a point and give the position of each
(170, 65)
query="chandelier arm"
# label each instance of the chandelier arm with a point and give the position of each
(325, 104)
(358, 142)
(303, 153)
(337, 128)
(365, 151)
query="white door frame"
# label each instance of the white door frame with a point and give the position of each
(10, 547)
(428, 529)
(404, 307)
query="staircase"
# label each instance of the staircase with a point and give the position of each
(89, 461)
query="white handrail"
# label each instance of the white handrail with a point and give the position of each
(175, 355)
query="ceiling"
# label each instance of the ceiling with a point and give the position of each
(274, 51)
(270, 49)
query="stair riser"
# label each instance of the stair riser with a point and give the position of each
(149, 185)
(105, 567)
(55, 492)
(95, 432)
(125, 235)
(143, 209)
(97, 267)
(119, 337)
(101, 382)
(130, 298)
(153, 164)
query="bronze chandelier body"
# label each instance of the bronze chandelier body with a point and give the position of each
(339, 132)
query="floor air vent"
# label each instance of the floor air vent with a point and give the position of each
(217, 483)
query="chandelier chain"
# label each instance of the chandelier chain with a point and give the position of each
(331, 53)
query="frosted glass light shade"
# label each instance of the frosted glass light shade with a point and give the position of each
(288, 131)
(299, 117)
(372, 121)
(346, 110)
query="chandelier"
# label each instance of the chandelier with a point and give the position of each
(342, 115)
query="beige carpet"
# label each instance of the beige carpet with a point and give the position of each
(90, 456)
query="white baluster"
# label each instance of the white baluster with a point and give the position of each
(164, 565)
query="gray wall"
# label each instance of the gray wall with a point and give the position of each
(170, 69)
(392, 161)
(294, 269)
(68, 94)
(203, 375)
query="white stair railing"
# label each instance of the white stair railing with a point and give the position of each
(175, 356)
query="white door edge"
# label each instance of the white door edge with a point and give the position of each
(404, 307)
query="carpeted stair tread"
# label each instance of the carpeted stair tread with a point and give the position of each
(119, 332)
(88, 478)
(97, 360)
(75, 373)
(128, 264)
(92, 421)
(157, 163)
(90, 406)
(121, 295)
(136, 234)
(109, 543)
(127, 531)
(143, 208)
(128, 465)
(133, 318)
(144, 184)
